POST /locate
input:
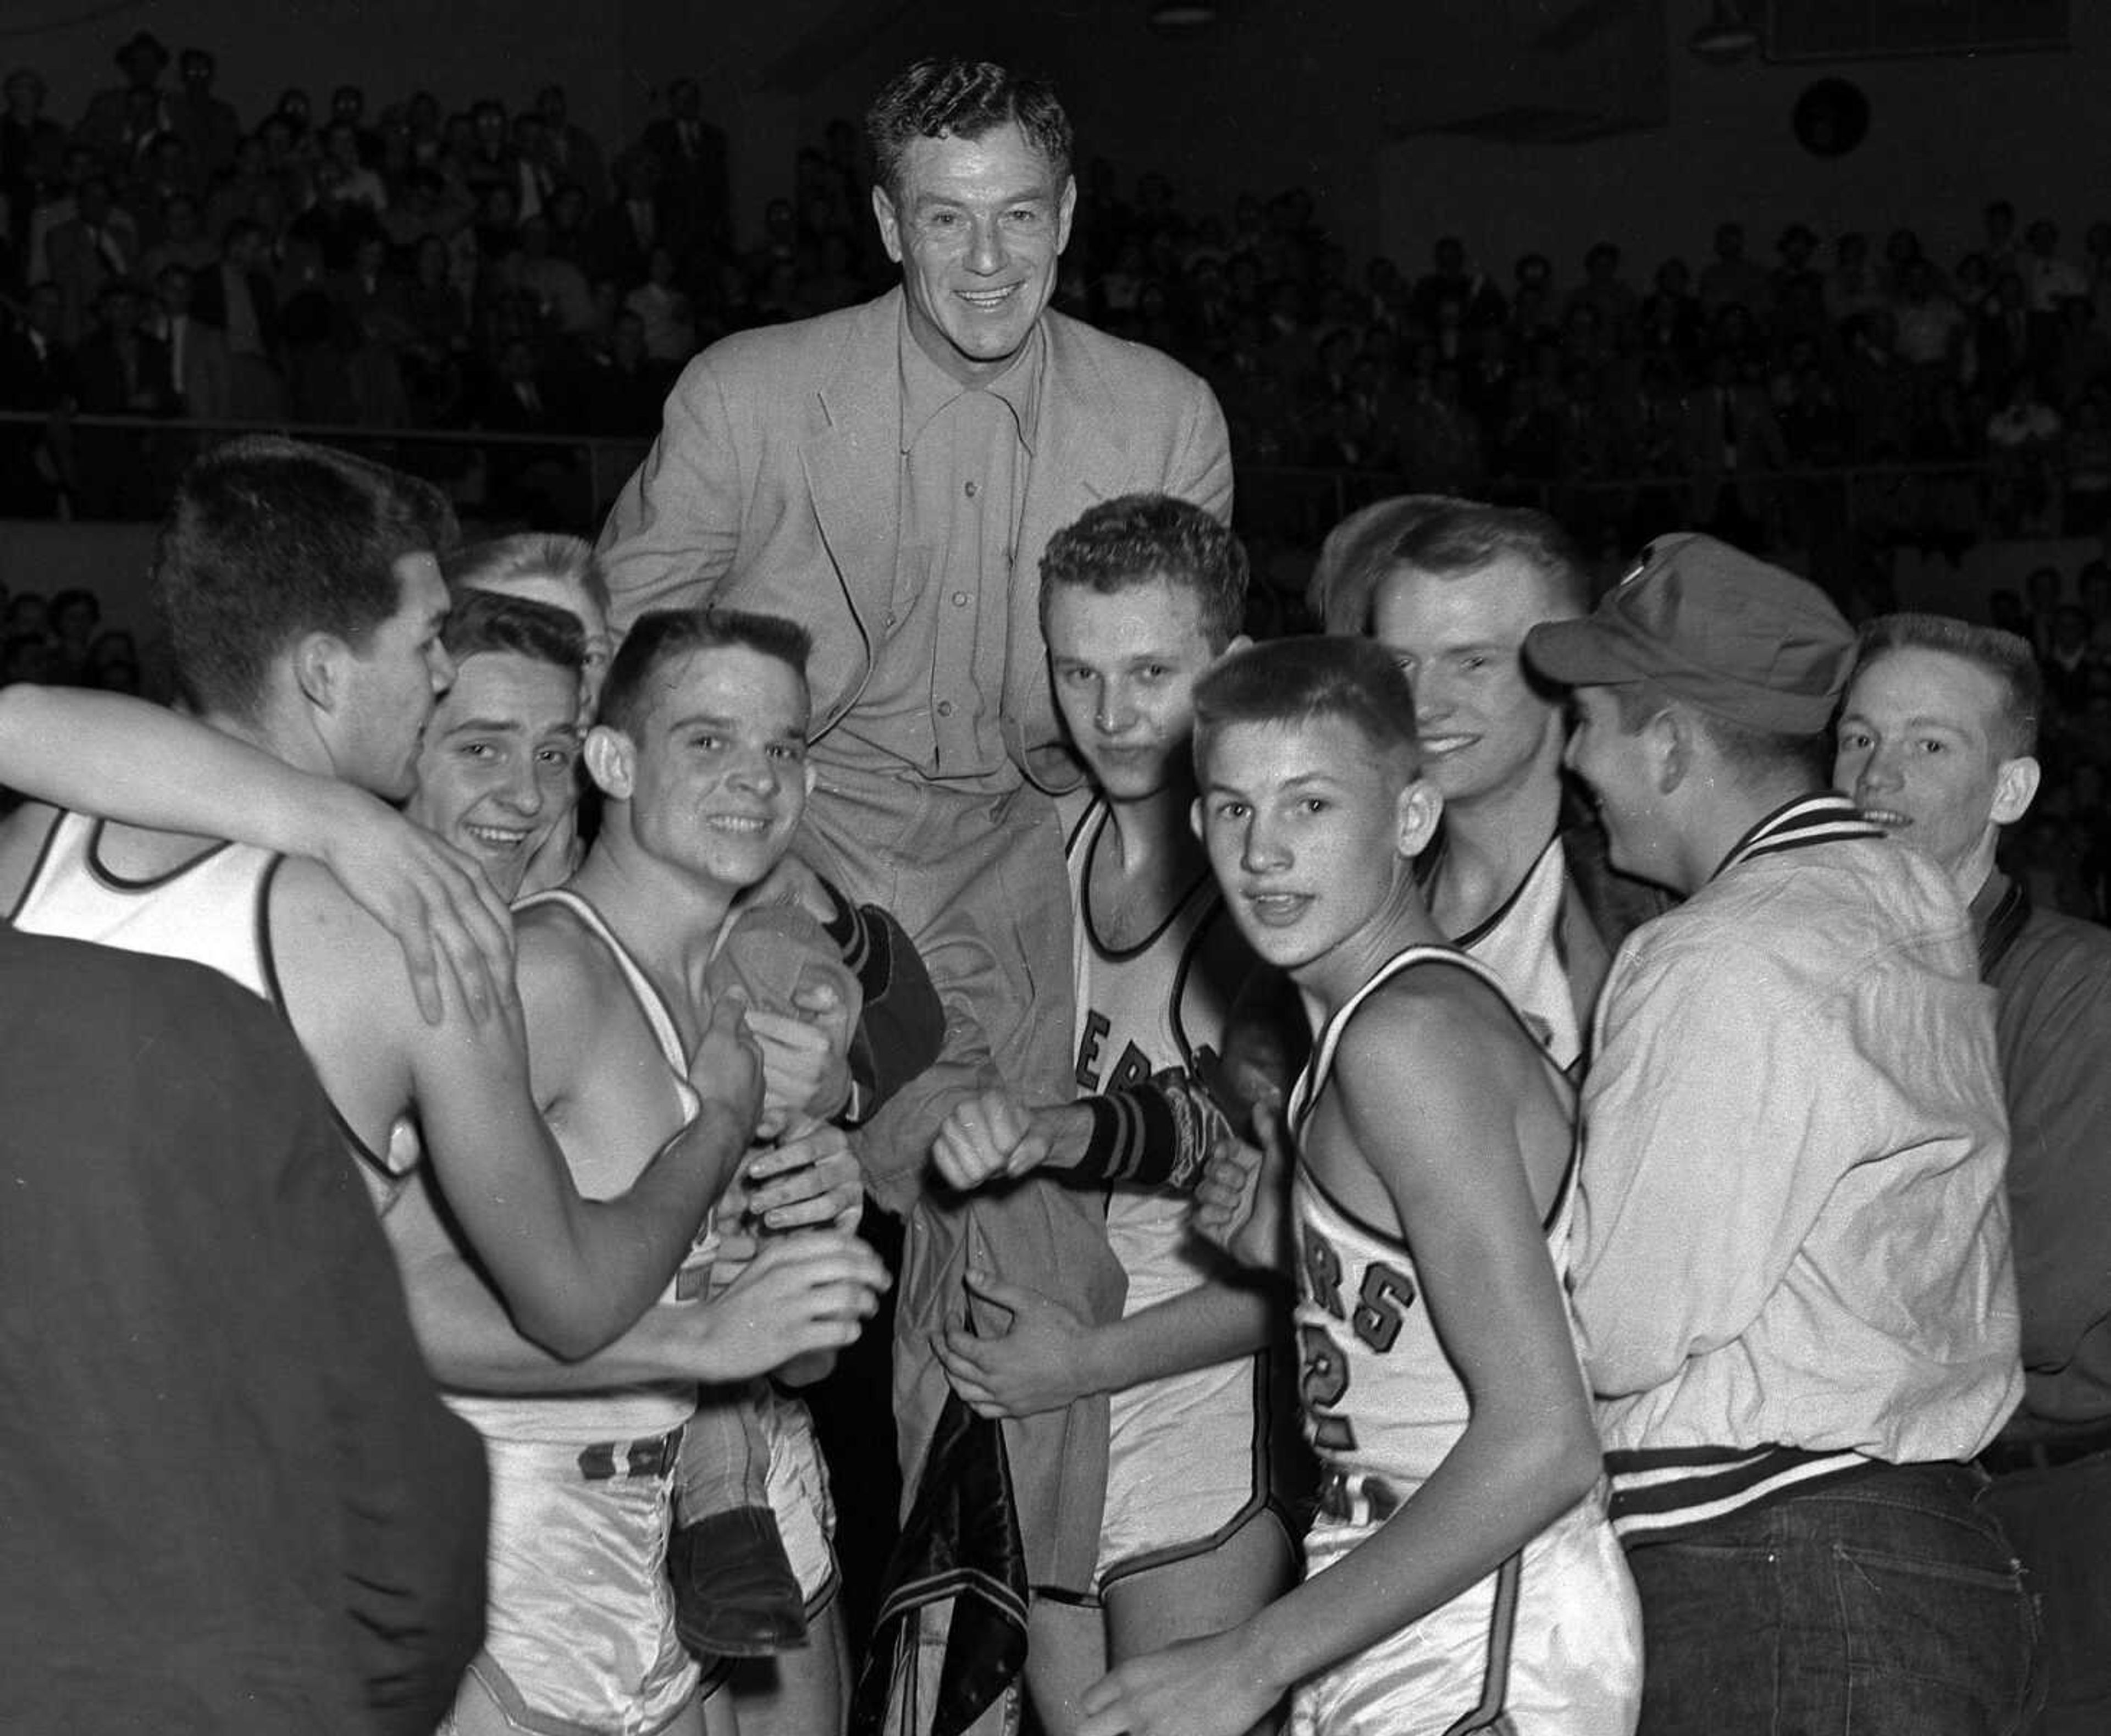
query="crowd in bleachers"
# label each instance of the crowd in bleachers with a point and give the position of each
(497, 267)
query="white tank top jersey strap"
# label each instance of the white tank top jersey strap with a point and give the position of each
(214, 909)
(630, 1411)
(1379, 1394)
(1522, 943)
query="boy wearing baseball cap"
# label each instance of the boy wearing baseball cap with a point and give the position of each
(1792, 1281)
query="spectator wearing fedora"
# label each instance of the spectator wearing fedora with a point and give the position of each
(1794, 1292)
(113, 115)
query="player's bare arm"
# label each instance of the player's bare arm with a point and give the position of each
(125, 759)
(801, 1295)
(575, 1273)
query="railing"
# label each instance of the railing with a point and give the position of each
(568, 481)
(591, 467)
(1912, 500)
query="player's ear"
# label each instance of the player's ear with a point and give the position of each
(611, 760)
(1195, 819)
(1420, 806)
(1239, 642)
(319, 670)
(2015, 787)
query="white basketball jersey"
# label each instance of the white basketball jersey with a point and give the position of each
(1140, 1010)
(1522, 943)
(626, 1411)
(1378, 1394)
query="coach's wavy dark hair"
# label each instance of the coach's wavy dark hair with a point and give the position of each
(931, 99)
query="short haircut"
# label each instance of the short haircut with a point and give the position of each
(270, 539)
(1134, 538)
(1462, 537)
(482, 621)
(2005, 656)
(933, 98)
(658, 636)
(1304, 680)
(1746, 752)
(531, 554)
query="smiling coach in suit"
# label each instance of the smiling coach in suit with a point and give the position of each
(889, 476)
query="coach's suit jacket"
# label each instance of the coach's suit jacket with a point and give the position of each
(773, 487)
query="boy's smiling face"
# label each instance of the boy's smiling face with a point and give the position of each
(1310, 828)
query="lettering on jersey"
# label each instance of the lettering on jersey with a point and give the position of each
(1133, 1069)
(1323, 1379)
(1323, 1273)
(1088, 1050)
(1382, 1301)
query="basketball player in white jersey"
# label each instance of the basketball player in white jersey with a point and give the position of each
(701, 759)
(306, 609)
(1517, 875)
(1138, 597)
(1460, 1576)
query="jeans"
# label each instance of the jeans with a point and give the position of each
(1887, 1605)
(2060, 1522)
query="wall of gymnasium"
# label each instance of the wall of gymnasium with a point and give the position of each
(1947, 133)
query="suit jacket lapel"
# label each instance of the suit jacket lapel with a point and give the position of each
(1080, 457)
(853, 456)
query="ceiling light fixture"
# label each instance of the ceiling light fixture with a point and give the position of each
(1728, 37)
(1179, 17)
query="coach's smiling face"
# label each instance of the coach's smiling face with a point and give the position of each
(977, 226)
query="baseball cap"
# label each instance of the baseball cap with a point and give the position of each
(1730, 635)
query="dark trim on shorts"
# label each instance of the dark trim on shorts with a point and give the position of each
(1262, 1497)
(1491, 1717)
